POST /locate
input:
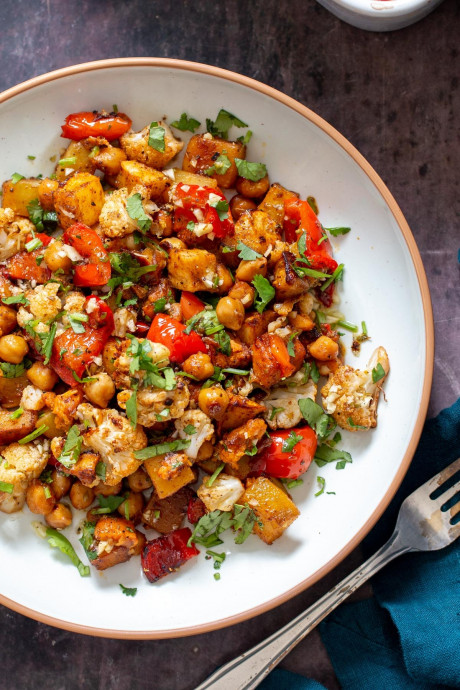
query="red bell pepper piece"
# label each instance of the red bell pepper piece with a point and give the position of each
(190, 305)
(45, 239)
(195, 510)
(167, 553)
(24, 266)
(293, 463)
(72, 352)
(318, 251)
(97, 270)
(92, 124)
(171, 332)
(193, 197)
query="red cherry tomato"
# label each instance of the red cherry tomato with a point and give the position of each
(72, 352)
(92, 124)
(97, 270)
(171, 332)
(190, 197)
(190, 305)
(300, 214)
(293, 463)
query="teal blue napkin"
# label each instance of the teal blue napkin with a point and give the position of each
(408, 636)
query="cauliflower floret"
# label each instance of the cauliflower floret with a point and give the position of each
(136, 146)
(282, 403)
(44, 303)
(112, 436)
(115, 220)
(125, 321)
(32, 399)
(151, 402)
(13, 233)
(19, 466)
(204, 430)
(224, 492)
(351, 396)
(75, 301)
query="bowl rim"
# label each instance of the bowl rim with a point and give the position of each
(173, 63)
(384, 8)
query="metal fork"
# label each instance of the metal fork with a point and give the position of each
(425, 523)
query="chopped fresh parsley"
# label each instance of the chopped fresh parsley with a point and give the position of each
(12, 371)
(159, 305)
(292, 483)
(325, 454)
(222, 124)
(265, 292)
(337, 275)
(219, 558)
(87, 538)
(378, 373)
(351, 423)
(128, 270)
(31, 158)
(335, 232)
(275, 411)
(223, 340)
(129, 591)
(108, 504)
(246, 138)
(43, 220)
(15, 177)
(185, 123)
(85, 379)
(246, 253)
(47, 343)
(101, 470)
(291, 441)
(34, 434)
(16, 299)
(33, 244)
(221, 207)
(190, 430)
(157, 137)
(136, 211)
(321, 485)
(290, 345)
(66, 162)
(160, 449)
(220, 166)
(209, 528)
(251, 171)
(316, 417)
(59, 541)
(210, 480)
(142, 361)
(76, 321)
(131, 409)
(72, 447)
(6, 487)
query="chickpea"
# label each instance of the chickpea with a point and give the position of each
(101, 390)
(106, 490)
(55, 257)
(251, 189)
(199, 366)
(248, 269)
(213, 401)
(132, 507)
(239, 204)
(243, 292)
(172, 243)
(139, 480)
(8, 320)
(13, 348)
(230, 313)
(46, 190)
(300, 322)
(206, 451)
(60, 485)
(225, 279)
(324, 348)
(60, 517)
(39, 498)
(81, 496)
(42, 376)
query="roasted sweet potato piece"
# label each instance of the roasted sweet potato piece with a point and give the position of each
(117, 531)
(160, 291)
(202, 152)
(272, 506)
(273, 203)
(239, 357)
(270, 360)
(255, 229)
(107, 559)
(19, 195)
(234, 444)
(239, 411)
(286, 281)
(254, 325)
(193, 270)
(167, 514)
(12, 430)
(167, 486)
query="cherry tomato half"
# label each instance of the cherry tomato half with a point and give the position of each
(92, 124)
(292, 463)
(171, 332)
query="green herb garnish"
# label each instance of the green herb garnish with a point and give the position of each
(265, 292)
(185, 123)
(251, 171)
(157, 137)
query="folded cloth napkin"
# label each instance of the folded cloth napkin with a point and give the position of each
(408, 635)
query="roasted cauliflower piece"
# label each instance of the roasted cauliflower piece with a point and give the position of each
(151, 402)
(193, 270)
(257, 230)
(44, 302)
(13, 233)
(19, 465)
(282, 403)
(136, 146)
(351, 396)
(223, 493)
(202, 431)
(115, 220)
(112, 436)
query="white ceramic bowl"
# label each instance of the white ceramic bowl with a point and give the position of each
(380, 15)
(384, 284)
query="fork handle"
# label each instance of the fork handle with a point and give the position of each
(250, 668)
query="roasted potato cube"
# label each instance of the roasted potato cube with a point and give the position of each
(203, 152)
(286, 281)
(109, 160)
(167, 487)
(191, 178)
(83, 163)
(46, 190)
(12, 430)
(133, 173)
(273, 203)
(239, 411)
(18, 196)
(272, 506)
(136, 146)
(270, 360)
(167, 514)
(256, 230)
(79, 200)
(254, 325)
(193, 270)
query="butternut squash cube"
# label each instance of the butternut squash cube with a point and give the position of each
(167, 487)
(272, 506)
(18, 196)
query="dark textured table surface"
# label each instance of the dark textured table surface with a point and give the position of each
(396, 97)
